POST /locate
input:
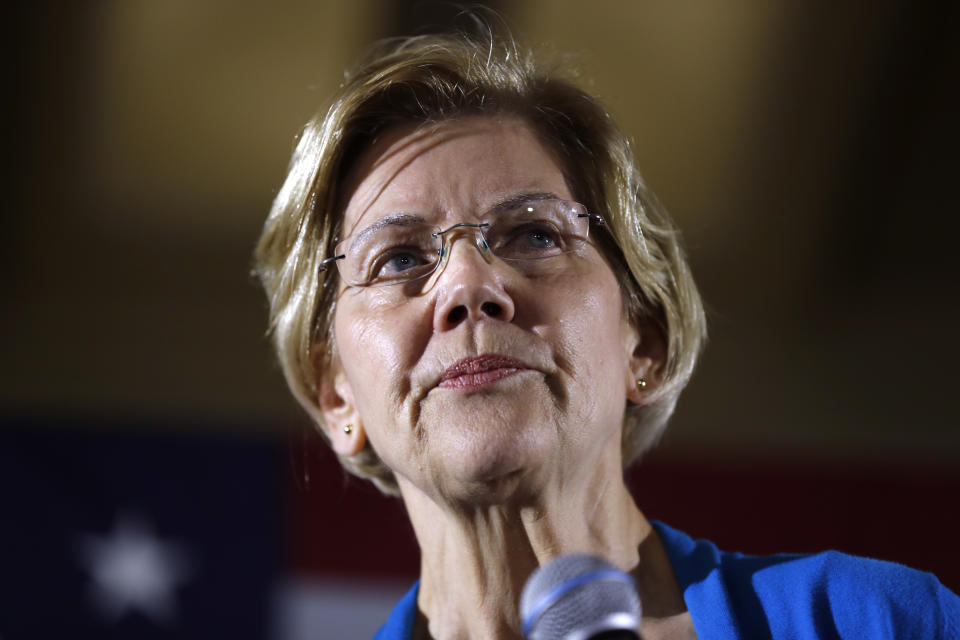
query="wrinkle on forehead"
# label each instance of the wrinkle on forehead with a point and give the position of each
(412, 141)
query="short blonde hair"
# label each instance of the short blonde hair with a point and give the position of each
(433, 78)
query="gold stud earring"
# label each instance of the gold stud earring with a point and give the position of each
(641, 383)
(348, 429)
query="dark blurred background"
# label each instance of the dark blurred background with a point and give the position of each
(806, 149)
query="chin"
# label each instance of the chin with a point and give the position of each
(493, 470)
(490, 442)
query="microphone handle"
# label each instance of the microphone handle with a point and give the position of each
(615, 634)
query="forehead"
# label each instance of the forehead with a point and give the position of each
(457, 169)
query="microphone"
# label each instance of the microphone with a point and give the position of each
(579, 597)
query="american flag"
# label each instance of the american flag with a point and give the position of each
(141, 529)
(148, 532)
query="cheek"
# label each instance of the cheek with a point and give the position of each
(378, 347)
(588, 311)
(588, 317)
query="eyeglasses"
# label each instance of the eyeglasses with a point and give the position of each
(398, 249)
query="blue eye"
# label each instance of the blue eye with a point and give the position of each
(530, 240)
(540, 239)
(401, 262)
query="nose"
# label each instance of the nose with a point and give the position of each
(471, 288)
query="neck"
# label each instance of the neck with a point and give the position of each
(476, 558)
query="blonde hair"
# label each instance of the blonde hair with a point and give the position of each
(433, 78)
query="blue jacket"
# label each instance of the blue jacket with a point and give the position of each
(732, 596)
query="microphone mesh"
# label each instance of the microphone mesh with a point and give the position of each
(571, 609)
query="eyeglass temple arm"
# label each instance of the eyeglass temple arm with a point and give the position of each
(326, 263)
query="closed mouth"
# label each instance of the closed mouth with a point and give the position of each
(479, 371)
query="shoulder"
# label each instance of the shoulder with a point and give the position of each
(399, 625)
(853, 596)
(828, 594)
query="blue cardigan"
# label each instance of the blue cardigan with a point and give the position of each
(732, 596)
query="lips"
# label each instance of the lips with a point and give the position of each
(479, 371)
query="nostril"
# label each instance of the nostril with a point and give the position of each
(492, 309)
(456, 315)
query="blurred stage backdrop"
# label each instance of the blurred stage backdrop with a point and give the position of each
(156, 480)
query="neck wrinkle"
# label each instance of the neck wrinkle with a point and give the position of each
(476, 560)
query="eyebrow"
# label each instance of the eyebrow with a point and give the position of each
(520, 199)
(410, 220)
(396, 219)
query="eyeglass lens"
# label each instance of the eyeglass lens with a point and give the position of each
(399, 249)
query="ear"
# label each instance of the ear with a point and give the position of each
(336, 402)
(646, 350)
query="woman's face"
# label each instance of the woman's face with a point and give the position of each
(481, 377)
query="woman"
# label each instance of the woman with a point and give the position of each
(475, 297)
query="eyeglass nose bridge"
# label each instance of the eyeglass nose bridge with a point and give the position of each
(480, 241)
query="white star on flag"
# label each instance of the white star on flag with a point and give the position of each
(132, 570)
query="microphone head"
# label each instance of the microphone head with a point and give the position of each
(577, 596)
